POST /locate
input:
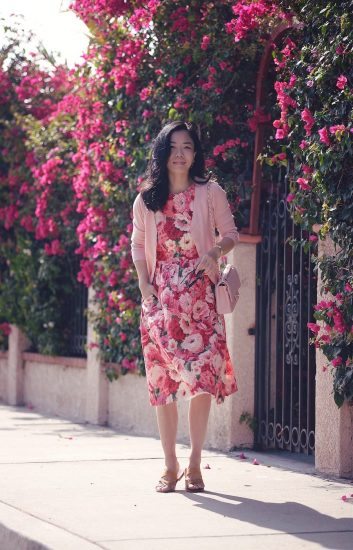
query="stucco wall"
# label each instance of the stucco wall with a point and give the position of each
(241, 344)
(3, 375)
(334, 427)
(55, 389)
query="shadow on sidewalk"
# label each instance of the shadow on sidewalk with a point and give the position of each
(290, 518)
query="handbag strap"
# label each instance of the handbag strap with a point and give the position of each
(213, 223)
(211, 213)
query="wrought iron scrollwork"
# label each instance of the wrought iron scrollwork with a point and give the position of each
(285, 362)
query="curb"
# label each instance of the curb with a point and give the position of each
(22, 531)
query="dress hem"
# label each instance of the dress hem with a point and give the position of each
(190, 397)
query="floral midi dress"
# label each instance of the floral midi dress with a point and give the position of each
(183, 338)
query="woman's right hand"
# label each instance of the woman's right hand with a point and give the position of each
(147, 290)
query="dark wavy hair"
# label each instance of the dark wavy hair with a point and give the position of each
(155, 189)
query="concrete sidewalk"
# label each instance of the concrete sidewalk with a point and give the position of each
(67, 486)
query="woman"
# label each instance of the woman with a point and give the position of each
(183, 338)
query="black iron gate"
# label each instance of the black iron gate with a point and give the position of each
(75, 310)
(285, 362)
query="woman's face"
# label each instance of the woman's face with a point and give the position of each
(182, 153)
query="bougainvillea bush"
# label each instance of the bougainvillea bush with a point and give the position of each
(315, 96)
(37, 212)
(149, 63)
(75, 145)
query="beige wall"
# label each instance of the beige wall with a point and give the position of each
(60, 389)
(3, 375)
(334, 427)
(55, 389)
(242, 345)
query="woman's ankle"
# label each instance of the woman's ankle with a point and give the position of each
(172, 464)
(195, 462)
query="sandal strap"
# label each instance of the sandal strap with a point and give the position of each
(193, 476)
(163, 483)
(193, 472)
(168, 480)
(169, 476)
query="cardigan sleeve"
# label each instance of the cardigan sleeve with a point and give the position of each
(223, 216)
(138, 230)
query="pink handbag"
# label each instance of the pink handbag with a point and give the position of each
(228, 284)
(227, 289)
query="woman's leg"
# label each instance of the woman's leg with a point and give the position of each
(167, 418)
(199, 409)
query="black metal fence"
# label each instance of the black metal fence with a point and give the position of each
(76, 315)
(285, 362)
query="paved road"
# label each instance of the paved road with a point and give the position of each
(68, 486)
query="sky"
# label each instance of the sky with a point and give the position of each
(56, 27)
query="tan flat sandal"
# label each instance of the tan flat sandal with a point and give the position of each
(168, 481)
(193, 480)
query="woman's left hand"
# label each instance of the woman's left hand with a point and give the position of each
(207, 263)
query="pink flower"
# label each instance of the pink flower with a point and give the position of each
(27, 223)
(348, 288)
(147, 114)
(303, 184)
(5, 328)
(54, 248)
(313, 238)
(280, 134)
(324, 136)
(210, 163)
(337, 128)
(337, 361)
(303, 144)
(128, 364)
(307, 169)
(292, 81)
(290, 197)
(341, 82)
(247, 16)
(309, 120)
(313, 327)
(205, 42)
(92, 345)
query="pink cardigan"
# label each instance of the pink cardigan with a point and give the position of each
(144, 233)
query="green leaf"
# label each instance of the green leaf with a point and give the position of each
(338, 398)
(172, 113)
